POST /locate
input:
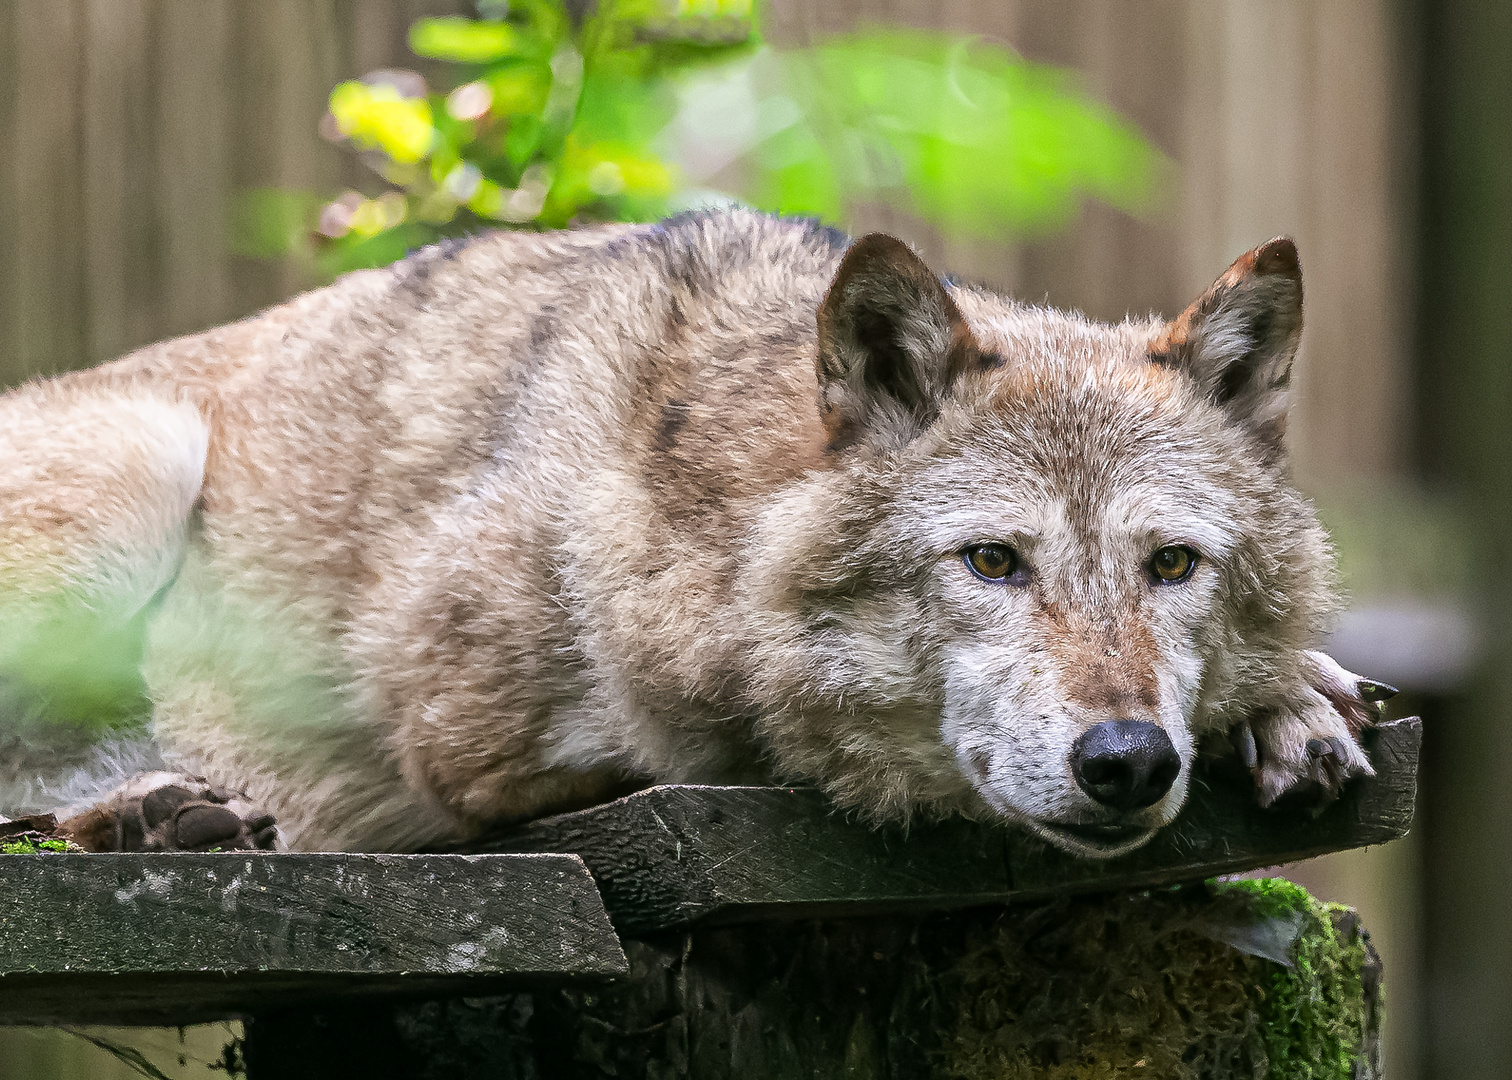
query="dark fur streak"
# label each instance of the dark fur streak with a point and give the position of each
(543, 329)
(674, 417)
(415, 268)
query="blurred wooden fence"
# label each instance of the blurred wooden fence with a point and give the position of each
(127, 127)
(1282, 116)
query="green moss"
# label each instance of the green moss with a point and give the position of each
(1145, 985)
(28, 845)
(1315, 1010)
(1268, 898)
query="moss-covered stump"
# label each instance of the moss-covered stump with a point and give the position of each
(1247, 979)
(1253, 979)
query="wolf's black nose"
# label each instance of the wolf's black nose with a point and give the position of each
(1125, 764)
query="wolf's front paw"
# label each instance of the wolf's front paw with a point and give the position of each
(178, 814)
(1305, 750)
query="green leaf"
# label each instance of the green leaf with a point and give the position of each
(469, 41)
(379, 117)
(268, 223)
(519, 89)
(561, 120)
(966, 135)
(796, 176)
(523, 140)
(353, 252)
(72, 665)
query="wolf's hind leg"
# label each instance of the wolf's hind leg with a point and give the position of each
(97, 486)
(166, 811)
(1307, 748)
(97, 490)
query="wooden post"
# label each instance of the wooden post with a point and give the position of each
(1167, 984)
(1464, 266)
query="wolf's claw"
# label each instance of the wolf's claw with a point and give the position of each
(1357, 700)
(1308, 748)
(176, 814)
(1328, 769)
(1244, 741)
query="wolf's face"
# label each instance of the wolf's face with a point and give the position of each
(1080, 553)
(1093, 535)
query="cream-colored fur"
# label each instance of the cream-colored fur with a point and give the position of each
(521, 522)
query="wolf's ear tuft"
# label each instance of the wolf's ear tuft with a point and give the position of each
(1238, 339)
(891, 344)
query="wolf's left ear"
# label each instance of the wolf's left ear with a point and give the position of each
(891, 344)
(1238, 339)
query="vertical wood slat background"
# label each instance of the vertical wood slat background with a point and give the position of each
(128, 127)
(1286, 116)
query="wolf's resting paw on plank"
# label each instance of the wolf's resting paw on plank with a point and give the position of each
(522, 522)
(165, 812)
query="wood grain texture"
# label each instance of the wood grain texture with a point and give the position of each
(129, 132)
(175, 939)
(45, 250)
(671, 856)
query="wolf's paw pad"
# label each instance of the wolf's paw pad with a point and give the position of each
(1303, 754)
(175, 817)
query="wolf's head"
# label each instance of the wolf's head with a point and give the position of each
(1051, 554)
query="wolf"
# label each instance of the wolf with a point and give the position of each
(527, 521)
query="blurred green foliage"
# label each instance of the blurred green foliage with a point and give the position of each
(71, 665)
(636, 108)
(964, 134)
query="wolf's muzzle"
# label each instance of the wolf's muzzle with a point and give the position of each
(1125, 764)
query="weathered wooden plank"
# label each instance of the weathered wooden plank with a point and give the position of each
(1358, 279)
(175, 939)
(671, 856)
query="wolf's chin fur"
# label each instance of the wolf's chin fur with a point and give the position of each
(523, 521)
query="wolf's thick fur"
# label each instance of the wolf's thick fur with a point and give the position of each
(523, 520)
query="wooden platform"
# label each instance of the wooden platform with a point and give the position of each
(185, 938)
(171, 939)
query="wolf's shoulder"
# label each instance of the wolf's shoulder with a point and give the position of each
(695, 246)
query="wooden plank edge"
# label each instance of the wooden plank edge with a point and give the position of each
(303, 915)
(672, 856)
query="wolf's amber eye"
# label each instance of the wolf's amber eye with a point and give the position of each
(1173, 564)
(991, 562)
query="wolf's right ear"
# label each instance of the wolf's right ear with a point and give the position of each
(1239, 338)
(891, 344)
